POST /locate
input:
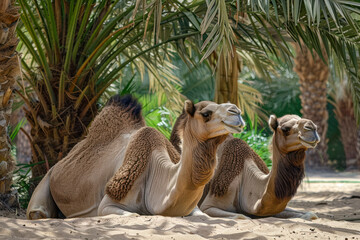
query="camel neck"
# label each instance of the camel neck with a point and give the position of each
(199, 158)
(288, 173)
(283, 180)
(191, 174)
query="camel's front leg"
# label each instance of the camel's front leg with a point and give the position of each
(217, 212)
(108, 206)
(42, 204)
(291, 213)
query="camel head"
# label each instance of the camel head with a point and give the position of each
(293, 133)
(207, 119)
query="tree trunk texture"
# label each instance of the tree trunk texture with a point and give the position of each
(9, 72)
(23, 147)
(227, 73)
(358, 149)
(344, 113)
(52, 139)
(313, 74)
(55, 130)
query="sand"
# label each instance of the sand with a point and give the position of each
(335, 198)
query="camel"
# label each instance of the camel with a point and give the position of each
(242, 185)
(124, 167)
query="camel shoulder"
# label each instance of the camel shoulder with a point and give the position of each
(231, 163)
(137, 156)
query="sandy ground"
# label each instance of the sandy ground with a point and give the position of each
(334, 197)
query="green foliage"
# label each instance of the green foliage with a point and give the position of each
(72, 51)
(335, 147)
(197, 81)
(21, 175)
(157, 115)
(198, 84)
(21, 183)
(257, 140)
(17, 128)
(280, 96)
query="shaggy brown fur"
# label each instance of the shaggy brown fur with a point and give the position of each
(121, 113)
(145, 141)
(205, 153)
(290, 173)
(289, 167)
(235, 153)
(177, 132)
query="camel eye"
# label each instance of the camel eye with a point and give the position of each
(285, 129)
(206, 114)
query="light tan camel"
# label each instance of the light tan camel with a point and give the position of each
(123, 167)
(242, 184)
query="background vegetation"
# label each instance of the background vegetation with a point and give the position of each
(75, 54)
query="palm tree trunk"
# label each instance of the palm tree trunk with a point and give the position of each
(9, 71)
(313, 74)
(227, 73)
(344, 113)
(358, 149)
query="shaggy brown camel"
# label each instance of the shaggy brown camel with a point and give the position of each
(123, 167)
(242, 184)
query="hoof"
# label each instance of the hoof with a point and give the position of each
(240, 216)
(34, 215)
(309, 216)
(131, 214)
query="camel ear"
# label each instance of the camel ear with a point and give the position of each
(189, 107)
(273, 122)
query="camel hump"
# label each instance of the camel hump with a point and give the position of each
(126, 103)
(121, 115)
(231, 163)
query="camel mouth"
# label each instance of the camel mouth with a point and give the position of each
(234, 123)
(308, 144)
(234, 128)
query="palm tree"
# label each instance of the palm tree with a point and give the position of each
(358, 149)
(77, 49)
(73, 51)
(264, 27)
(325, 28)
(313, 74)
(227, 79)
(345, 116)
(9, 72)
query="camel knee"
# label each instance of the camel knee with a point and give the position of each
(36, 214)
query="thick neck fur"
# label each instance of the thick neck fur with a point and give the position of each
(284, 179)
(289, 170)
(202, 155)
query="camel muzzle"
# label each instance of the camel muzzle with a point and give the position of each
(234, 123)
(311, 139)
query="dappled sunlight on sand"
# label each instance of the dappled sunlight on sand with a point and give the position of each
(330, 202)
